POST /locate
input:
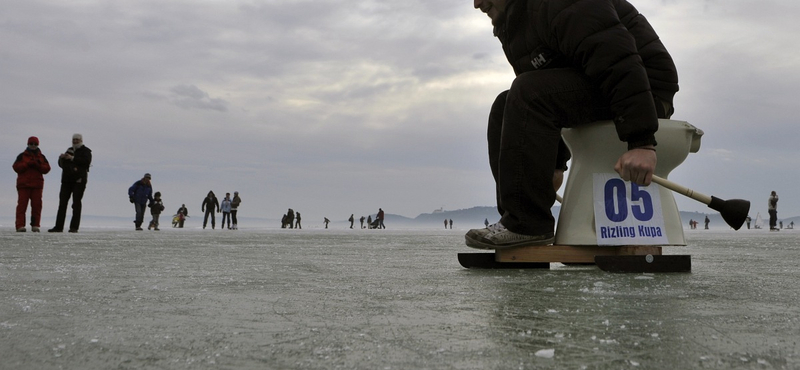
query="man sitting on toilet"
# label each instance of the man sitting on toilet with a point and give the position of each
(576, 62)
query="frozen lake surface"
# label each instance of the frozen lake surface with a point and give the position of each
(384, 299)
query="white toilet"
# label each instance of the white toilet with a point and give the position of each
(595, 149)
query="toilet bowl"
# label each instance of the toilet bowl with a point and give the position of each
(595, 149)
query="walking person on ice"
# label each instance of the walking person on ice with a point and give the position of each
(156, 207)
(235, 202)
(140, 194)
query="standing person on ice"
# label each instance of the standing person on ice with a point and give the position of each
(225, 207)
(235, 202)
(30, 167)
(209, 206)
(772, 209)
(74, 163)
(141, 194)
(576, 62)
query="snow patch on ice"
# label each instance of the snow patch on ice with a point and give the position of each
(545, 353)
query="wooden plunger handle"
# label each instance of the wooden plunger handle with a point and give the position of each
(705, 199)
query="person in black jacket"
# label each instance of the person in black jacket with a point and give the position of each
(209, 206)
(576, 62)
(141, 195)
(74, 163)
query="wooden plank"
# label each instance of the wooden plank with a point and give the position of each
(569, 253)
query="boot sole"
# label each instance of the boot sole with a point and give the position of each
(477, 244)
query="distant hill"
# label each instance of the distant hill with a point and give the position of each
(468, 218)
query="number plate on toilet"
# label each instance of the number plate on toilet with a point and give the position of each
(626, 213)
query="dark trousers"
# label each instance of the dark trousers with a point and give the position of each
(525, 146)
(76, 192)
(233, 217)
(154, 221)
(773, 218)
(140, 208)
(213, 218)
(225, 216)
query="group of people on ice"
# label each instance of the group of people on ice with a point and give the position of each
(31, 165)
(142, 197)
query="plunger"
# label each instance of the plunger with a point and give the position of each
(733, 211)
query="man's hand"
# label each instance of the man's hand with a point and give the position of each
(637, 165)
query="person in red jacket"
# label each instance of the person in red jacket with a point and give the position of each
(30, 167)
(576, 62)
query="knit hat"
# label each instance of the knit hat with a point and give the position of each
(147, 176)
(77, 136)
(33, 140)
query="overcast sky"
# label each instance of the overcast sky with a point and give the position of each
(333, 107)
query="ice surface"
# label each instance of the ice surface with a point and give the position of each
(375, 299)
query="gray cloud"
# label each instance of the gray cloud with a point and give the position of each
(190, 96)
(339, 107)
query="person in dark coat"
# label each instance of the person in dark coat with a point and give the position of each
(379, 219)
(30, 166)
(74, 163)
(290, 218)
(209, 206)
(235, 202)
(576, 62)
(772, 209)
(141, 194)
(156, 207)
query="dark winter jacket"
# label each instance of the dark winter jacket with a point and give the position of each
(235, 202)
(76, 170)
(156, 206)
(30, 165)
(608, 41)
(140, 192)
(210, 204)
